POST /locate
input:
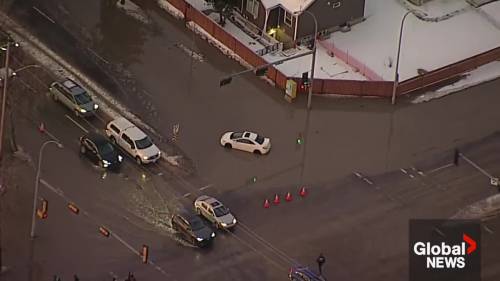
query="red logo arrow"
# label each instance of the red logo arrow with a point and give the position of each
(472, 244)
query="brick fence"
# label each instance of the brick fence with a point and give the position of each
(375, 88)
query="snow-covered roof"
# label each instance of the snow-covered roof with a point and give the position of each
(292, 6)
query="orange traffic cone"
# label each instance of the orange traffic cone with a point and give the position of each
(303, 191)
(41, 128)
(267, 204)
(276, 199)
(288, 197)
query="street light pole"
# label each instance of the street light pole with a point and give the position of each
(4, 95)
(396, 76)
(37, 182)
(313, 63)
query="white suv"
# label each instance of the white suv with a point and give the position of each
(135, 142)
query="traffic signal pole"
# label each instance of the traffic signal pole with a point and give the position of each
(261, 69)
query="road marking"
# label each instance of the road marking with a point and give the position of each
(439, 232)
(440, 168)
(205, 187)
(77, 124)
(98, 56)
(365, 179)
(186, 195)
(114, 235)
(404, 171)
(488, 229)
(43, 14)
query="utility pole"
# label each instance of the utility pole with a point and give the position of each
(4, 95)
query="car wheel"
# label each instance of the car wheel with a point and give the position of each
(82, 149)
(113, 140)
(198, 211)
(101, 164)
(257, 151)
(138, 160)
(54, 97)
(228, 145)
(77, 114)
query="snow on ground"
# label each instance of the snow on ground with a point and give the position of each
(134, 11)
(480, 209)
(326, 67)
(426, 45)
(440, 9)
(479, 75)
(164, 4)
(239, 34)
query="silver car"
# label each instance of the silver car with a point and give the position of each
(73, 96)
(214, 211)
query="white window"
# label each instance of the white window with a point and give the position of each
(288, 18)
(253, 7)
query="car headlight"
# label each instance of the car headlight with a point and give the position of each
(213, 234)
(223, 224)
(96, 106)
(105, 163)
(82, 110)
(145, 157)
(120, 158)
(199, 239)
(234, 221)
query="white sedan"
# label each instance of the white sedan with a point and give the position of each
(246, 141)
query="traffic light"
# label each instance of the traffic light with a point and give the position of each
(261, 71)
(305, 79)
(456, 157)
(300, 139)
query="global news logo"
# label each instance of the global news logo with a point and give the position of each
(445, 256)
(445, 250)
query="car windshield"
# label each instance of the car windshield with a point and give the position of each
(221, 211)
(196, 224)
(83, 98)
(259, 139)
(106, 148)
(143, 143)
(236, 135)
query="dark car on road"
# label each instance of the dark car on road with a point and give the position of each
(302, 273)
(192, 228)
(100, 151)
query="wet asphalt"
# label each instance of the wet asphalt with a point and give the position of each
(147, 68)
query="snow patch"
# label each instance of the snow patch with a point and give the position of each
(62, 69)
(134, 11)
(485, 73)
(425, 44)
(165, 5)
(212, 40)
(481, 209)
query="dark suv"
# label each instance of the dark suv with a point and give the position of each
(192, 228)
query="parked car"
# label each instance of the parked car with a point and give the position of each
(192, 228)
(74, 97)
(246, 141)
(214, 211)
(100, 151)
(134, 141)
(302, 273)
